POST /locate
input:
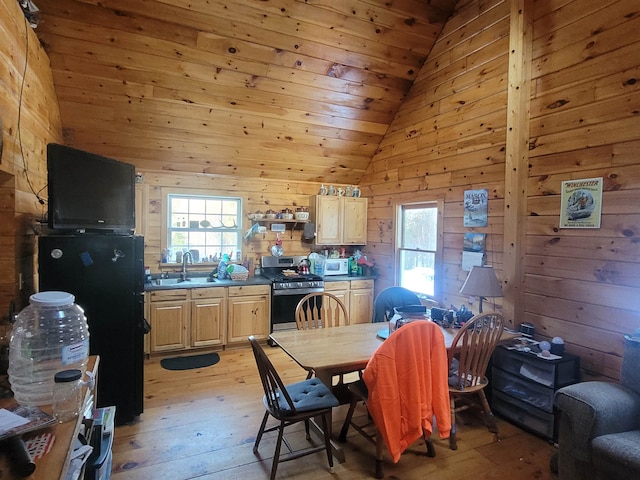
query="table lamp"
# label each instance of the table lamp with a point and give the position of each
(482, 282)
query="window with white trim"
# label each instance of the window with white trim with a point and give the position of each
(419, 247)
(208, 225)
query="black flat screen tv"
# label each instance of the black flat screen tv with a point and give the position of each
(89, 192)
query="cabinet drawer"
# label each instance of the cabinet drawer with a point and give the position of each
(167, 295)
(528, 392)
(550, 373)
(208, 292)
(249, 290)
(361, 284)
(523, 414)
(333, 286)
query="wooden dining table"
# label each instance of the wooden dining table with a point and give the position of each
(331, 351)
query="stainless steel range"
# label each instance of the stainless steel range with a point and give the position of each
(287, 289)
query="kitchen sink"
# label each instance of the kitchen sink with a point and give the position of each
(183, 283)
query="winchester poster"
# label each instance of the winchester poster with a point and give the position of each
(581, 203)
(476, 208)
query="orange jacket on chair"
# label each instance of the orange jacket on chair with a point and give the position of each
(407, 382)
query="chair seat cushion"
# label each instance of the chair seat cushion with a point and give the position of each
(308, 395)
(618, 454)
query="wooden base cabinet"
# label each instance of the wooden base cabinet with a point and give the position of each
(169, 317)
(249, 311)
(361, 301)
(357, 296)
(208, 317)
(187, 318)
(339, 220)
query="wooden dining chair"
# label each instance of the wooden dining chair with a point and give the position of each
(468, 358)
(404, 387)
(325, 310)
(320, 310)
(290, 404)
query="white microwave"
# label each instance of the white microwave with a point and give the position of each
(336, 266)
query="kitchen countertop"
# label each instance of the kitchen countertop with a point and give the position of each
(346, 278)
(149, 287)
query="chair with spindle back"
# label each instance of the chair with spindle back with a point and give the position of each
(320, 310)
(324, 310)
(468, 359)
(290, 404)
(404, 388)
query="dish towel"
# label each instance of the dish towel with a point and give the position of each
(309, 232)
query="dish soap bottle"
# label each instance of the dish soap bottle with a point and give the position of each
(222, 267)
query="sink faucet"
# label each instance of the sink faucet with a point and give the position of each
(185, 256)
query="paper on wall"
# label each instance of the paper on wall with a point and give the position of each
(471, 259)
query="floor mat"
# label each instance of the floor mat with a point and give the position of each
(188, 363)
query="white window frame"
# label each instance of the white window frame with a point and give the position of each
(438, 204)
(209, 246)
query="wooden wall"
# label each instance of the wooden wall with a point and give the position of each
(449, 136)
(30, 120)
(257, 194)
(583, 285)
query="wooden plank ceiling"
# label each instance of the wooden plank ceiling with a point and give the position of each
(283, 89)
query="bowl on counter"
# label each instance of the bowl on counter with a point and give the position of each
(287, 216)
(270, 216)
(304, 216)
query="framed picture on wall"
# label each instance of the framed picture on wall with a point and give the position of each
(476, 204)
(581, 203)
(474, 242)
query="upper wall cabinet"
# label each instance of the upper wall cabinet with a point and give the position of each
(339, 220)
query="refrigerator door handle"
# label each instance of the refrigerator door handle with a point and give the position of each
(147, 326)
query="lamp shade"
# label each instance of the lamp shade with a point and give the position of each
(482, 282)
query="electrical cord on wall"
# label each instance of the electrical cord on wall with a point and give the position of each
(24, 160)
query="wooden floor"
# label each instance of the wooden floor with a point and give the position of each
(202, 424)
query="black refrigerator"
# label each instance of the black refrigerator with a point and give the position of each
(106, 275)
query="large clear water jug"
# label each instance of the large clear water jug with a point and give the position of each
(49, 335)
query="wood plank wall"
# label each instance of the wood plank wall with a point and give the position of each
(449, 136)
(27, 127)
(583, 285)
(257, 194)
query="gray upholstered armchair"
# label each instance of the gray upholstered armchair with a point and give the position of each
(599, 433)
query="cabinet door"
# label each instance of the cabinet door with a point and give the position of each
(328, 218)
(208, 322)
(248, 316)
(354, 229)
(168, 325)
(341, 290)
(360, 305)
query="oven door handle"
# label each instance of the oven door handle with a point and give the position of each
(295, 291)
